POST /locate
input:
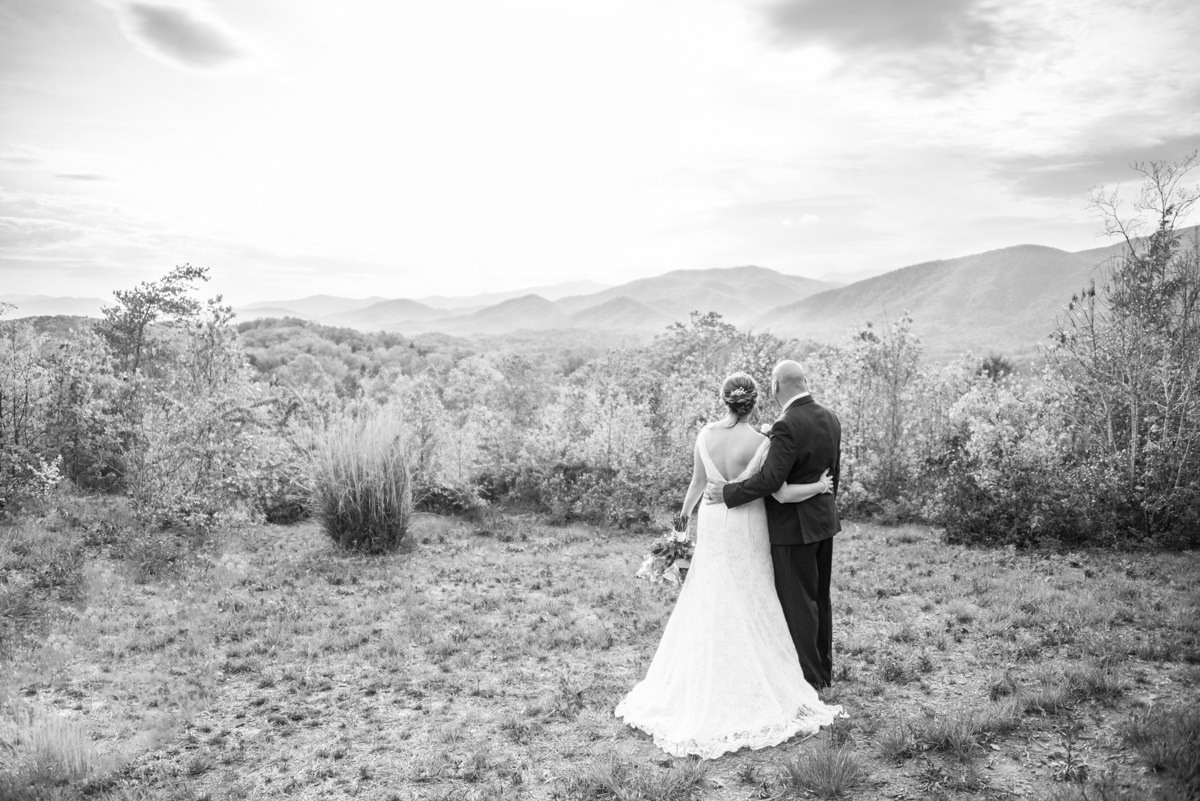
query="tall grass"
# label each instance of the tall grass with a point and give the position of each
(362, 486)
(621, 780)
(826, 771)
(1169, 740)
(40, 748)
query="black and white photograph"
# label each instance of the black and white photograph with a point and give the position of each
(599, 400)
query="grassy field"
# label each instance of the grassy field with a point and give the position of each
(484, 661)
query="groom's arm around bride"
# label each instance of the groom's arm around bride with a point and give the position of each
(805, 441)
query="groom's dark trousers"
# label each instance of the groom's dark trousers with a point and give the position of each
(806, 440)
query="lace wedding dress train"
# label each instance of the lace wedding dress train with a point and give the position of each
(725, 675)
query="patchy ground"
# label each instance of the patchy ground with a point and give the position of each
(485, 659)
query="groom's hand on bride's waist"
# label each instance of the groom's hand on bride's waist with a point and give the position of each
(714, 492)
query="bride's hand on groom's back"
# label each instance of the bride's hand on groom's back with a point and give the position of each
(798, 493)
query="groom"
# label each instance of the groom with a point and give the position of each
(805, 441)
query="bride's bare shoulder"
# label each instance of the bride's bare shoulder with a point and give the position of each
(754, 435)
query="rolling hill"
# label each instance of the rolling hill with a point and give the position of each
(379, 316)
(621, 314)
(47, 306)
(261, 312)
(647, 305)
(527, 311)
(377, 313)
(461, 303)
(740, 294)
(309, 308)
(1001, 300)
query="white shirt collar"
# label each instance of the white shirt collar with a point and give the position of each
(792, 400)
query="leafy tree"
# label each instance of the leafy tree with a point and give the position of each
(128, 325)
(1129, 351)
(996, 367)
(82, 415)
(23, 391)
(873, 383)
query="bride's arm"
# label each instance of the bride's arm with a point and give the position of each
(794, 493)
(696, 488)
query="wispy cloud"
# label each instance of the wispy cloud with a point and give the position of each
(63, 164)
(81, 176)
(930, 45)
(188, 35)
(1067, 175)
(17, 234)
(19, 159)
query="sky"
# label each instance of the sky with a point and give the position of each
(407, 148)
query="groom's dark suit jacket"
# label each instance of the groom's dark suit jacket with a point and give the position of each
(805, 441)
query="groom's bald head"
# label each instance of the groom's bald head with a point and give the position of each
(789, 380)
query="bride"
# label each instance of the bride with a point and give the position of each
(726, 675)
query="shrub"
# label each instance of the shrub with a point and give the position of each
(274, 477)
(152, 555)
(50, 560)
(362, 487)
(1006, 474)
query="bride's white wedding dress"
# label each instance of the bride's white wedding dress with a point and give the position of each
(725, 675)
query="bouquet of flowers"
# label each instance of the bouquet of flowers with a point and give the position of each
(670, 555)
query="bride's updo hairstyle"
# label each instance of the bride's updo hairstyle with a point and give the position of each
(739, 393)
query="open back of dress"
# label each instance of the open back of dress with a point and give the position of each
(726, 675)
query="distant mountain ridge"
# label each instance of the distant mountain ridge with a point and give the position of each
(646, 305)
(621, 314)
(987, 301)
(48, 306)
(549, 292)
(376, 313)
(738, 293)
(527, 311)
(316, 305)
(1003, 300)
(379, 315)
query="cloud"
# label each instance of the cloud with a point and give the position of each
(1072, 174)
(867, 25)
(18, 160)
(69, 165)
(934, 45)
(18, 234)
(184, 34)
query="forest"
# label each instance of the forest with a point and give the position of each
(198, 419)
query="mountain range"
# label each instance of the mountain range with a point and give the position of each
(1003, 300)
(48, 306)
(740, 294)
(342, 311)
(1000, 300)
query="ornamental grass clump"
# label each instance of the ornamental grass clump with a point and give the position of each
(362, 487)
